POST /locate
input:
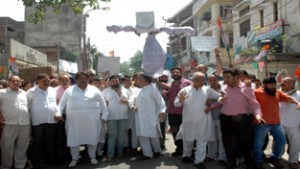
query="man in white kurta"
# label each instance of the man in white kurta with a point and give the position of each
(150, 110)
(135, 90)
(83, 105)
(290, 120)
(42, 108)
(197, 125)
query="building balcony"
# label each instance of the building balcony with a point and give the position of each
(238, 5)
(198, 5)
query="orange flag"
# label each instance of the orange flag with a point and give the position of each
(112, 53)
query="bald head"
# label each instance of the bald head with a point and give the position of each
(198, 79)
(287, 84)
(202, 68)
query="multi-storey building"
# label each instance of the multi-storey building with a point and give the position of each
(10, 28)
(266, 22)
(202, 16)
(180, 45)
(206, 13)
(57, 35)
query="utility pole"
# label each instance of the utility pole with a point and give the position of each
(85, 54)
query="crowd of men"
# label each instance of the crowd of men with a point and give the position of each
(209, 119)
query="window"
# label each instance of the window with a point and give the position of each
(244, 11)
(245, 28)
(10, 29)
(225, 10)
(261, 18)
(275, 9)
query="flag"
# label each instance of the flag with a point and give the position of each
(112, 53)
(224, 39)
(297, 73)
(223, 35)
(263, 52)
(12, 67)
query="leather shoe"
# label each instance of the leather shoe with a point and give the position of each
(200, 166)
(230, 165)
(259, 166)
(176, 154)
(142, 157)
(276, 162)
(156, 155)
(186, 159)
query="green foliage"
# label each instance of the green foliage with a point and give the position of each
(41, 7)
(125, 69)
(94, 51)
(72, 57)
(249, 51)
(136, 61)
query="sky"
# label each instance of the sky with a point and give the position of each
(122, 12)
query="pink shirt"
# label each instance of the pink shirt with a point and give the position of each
(172, 94)
(59, 93)
(240, 100)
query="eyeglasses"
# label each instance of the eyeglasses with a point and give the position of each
(15, 81)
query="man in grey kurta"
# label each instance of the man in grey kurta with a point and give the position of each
(16, 130)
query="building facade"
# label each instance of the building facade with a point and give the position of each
(202, 16)
(179, 46)
(57, 35)
(258, 23)
(206, 13)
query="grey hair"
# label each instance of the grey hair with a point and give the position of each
(197, 74)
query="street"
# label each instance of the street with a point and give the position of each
(164, 162)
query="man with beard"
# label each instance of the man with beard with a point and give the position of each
(175, 113)
(269, 97)
(117, 104)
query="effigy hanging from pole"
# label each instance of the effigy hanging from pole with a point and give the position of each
(154, 56)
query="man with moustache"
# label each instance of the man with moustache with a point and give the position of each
(290, 121)
(117, 104)
(269, 97)
(235, 120)
(16, 130)
(61, 141)
(149, 108)
(85, 107)
(197, 125)
(175, 113)
(42, 108)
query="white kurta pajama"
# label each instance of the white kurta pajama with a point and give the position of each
(149, 104)
(290, 121)
(196, 124)
(83, 109)
(131, 118)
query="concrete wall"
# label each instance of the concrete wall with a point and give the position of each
(64, 30)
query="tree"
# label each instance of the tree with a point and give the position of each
(136, 61)
(96, 54)
(72, 57)
(125, 69)
(41, 7)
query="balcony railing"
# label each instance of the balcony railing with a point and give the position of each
(236, 2)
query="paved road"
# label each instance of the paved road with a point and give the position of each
(130, 162)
